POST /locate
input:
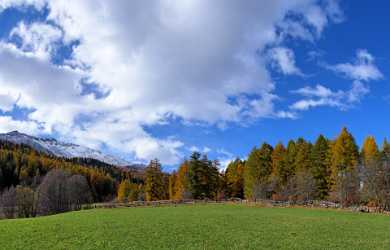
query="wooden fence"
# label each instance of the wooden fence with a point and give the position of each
(266, 203)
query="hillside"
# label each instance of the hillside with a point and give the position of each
(21, 164)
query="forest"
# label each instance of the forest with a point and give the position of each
(334, 170)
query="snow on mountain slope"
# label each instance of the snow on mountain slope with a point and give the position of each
(61, 149)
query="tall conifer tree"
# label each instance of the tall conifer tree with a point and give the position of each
(370, 152)
(257, 170)
(321, 166)
(345, 154)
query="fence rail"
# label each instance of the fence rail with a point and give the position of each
(270, 203)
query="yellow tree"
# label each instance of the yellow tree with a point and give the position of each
(279, 163)
(127, 191)
(344, 174)
(234, 175)
(370, 151)
(123, 191)
(171, 184)
(182, 183)
(345, 154)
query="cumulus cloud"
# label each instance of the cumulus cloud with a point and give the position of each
(53, 91)
(155, 60)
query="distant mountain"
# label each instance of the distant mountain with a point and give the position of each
(61, 149)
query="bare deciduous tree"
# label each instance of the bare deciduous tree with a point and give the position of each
(61, 192)
(52, 195)
(305, 186)
(8, 203)
(346, 189)
(25, 202)
(261, 190)
(78, 191)
(376, 184)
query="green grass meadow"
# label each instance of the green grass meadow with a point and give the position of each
(199, 227)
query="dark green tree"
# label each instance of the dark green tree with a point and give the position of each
(203, 177)
(290, 161)
(321, 166)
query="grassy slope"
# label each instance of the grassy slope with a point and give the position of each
(199, 227)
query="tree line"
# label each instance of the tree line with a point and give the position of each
(335, 170)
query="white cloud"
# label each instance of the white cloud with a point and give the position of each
(334, 11)
(156, 59)
(284, 59)
(295, 30)
(149, 148)
(224, 158)
(317, 17)
(363, 69)
(38, 4)
(357, 91)
(322, 96)
(37, 38)
(8, 124)
(312, 17)
(7, 101)
(53, 91)
(319, 91)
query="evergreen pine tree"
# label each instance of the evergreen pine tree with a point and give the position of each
(290, 161)
(203, 176)
(321, 166)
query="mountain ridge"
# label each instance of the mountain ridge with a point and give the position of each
(57, 148)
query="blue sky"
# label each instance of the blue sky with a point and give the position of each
(162, 78)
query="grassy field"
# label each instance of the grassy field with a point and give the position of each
(199, 227)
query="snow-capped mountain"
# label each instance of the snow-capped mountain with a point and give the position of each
(61, 149)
